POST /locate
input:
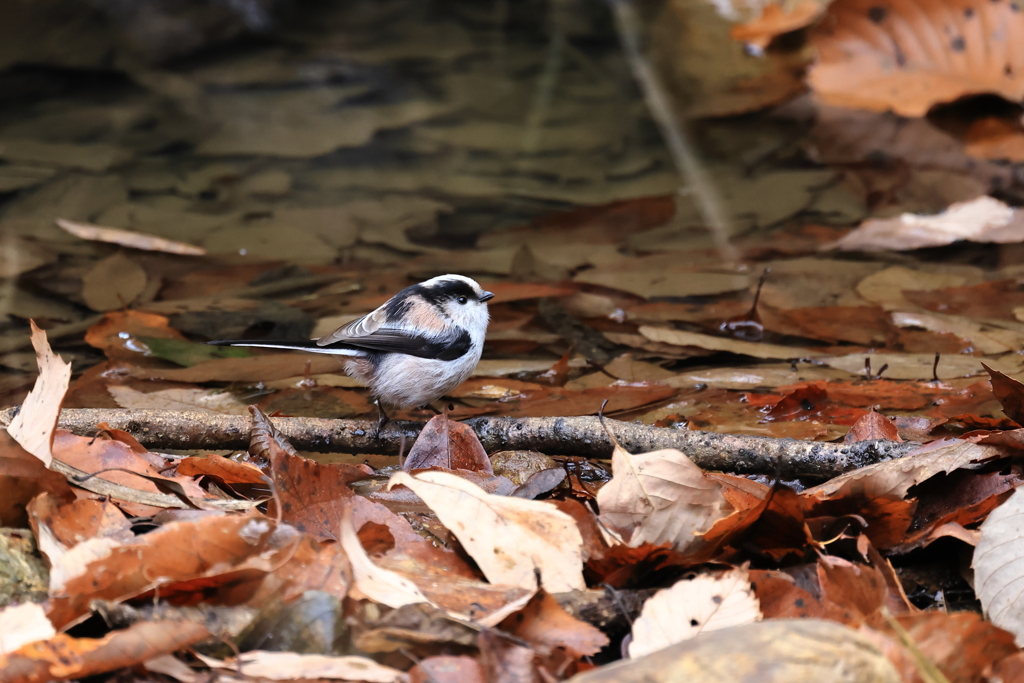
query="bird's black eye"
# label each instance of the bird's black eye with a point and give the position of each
(462, 300)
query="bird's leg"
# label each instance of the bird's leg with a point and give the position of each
(382, 419)
(431, 408)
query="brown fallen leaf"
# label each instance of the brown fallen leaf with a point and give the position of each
(694, 606)
(893, 478)
(536, 539)
(739, 347)
(61, 527)
(546, 625)
(65, 657)
(775, 20)
(1010, 393)
(448, 444)
(447, 669)
(871, 427)
(91, 455)
(115, 282)
(35, 423)
(23, 476)
(908, 56)
(129, 238)
(212, 550)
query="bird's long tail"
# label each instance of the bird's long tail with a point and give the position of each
(308, 346)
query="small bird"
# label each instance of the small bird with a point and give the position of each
(423, 342)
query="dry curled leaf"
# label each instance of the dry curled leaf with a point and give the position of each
(997, 559)
(984, 219)
(693, 606)
(35, 423)
(660, 497)
(534, 538)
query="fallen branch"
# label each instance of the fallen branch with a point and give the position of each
(584, 436)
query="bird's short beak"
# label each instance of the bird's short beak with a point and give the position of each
(486, 296)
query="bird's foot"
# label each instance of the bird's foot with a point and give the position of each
(382, 419)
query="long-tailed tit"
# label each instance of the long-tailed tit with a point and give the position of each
(423, 342)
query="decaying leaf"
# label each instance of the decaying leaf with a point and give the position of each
(997, 559)
(35, 423)
(534, 538)
(129, 238)
(692, 606)
(908, 55)
(660, 497)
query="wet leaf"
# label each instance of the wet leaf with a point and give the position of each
(447, 444)
(188, 354)
(113, 283)
(871, 427)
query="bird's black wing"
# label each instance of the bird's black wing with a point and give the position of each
(400, 341)
(390, 340)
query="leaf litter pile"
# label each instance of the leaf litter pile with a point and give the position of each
(590, 505)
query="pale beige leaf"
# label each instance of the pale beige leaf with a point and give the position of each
(737, 346)
(35, 423)
(113, 283)
(918, 366)
(885, 287)
(23, 624)
(660, 497)
(511, 539)
(891, 479)
(705, 603)
(999, 566)
(377, 584)
(984, 338)
(980, 220)
(210, 400)
(171, 666)
(287, 666)
(129, 238)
